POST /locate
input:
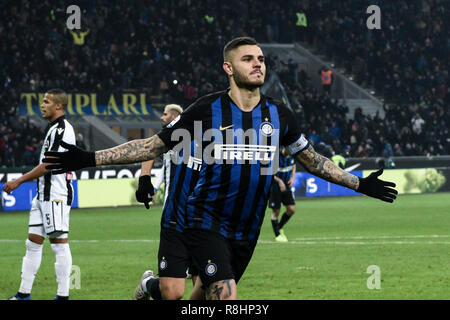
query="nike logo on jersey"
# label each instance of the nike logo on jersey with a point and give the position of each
(224, 128)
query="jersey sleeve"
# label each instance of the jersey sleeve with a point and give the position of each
(69, 137)
(293, 139)
(183, 125)
(63, 132)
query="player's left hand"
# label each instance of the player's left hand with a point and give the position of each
(376, 188)
(145, 191)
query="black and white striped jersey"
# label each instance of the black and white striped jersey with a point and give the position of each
(56, 187)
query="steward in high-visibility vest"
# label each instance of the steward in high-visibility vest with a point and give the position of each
(326, 77)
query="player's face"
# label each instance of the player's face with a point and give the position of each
(248, 66)
(167, 117)
(49, 107)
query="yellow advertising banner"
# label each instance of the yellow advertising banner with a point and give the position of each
(127, 104)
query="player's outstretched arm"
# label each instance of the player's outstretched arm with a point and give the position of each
(131, 152)
(324, 168)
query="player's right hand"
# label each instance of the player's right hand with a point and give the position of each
(10, 186)
(75, 158)
(145, 191)
(282, 186)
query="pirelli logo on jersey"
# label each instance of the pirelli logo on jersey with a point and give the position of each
(194, 163)
(228, 145)
(243, 152)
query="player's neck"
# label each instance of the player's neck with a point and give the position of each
(55, 117)
(245, 99)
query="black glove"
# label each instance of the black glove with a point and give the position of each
(376, 188)
(145, 191)
(71, 160)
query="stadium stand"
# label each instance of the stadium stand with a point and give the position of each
(156, 42)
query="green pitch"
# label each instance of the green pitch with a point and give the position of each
(332, 243)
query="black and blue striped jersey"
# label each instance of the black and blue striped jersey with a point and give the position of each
(180, 179)
(239, 156)
(286, 164)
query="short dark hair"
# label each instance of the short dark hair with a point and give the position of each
(59, 96)
(235, 43)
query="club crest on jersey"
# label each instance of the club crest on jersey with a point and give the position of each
(266, 129)
(163, 264)
(211, 269)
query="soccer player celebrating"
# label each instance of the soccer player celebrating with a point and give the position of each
(49, 215)
(281, 193)
(225, 211)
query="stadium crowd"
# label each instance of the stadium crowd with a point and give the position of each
(405, 130)
(172, 48)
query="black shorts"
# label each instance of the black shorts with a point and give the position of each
(217, 258)
(173, 255)
(277, 197)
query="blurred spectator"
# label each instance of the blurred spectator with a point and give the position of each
(361, 152)
(335, 131)
(80, 142)
(315, 137)
(417, 124)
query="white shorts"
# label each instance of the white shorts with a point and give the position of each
(49, 218)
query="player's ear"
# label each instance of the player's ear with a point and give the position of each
(228, 68)
(59, 106)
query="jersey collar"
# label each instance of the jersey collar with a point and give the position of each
(57, 120)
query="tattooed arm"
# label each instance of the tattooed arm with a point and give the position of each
(324, 168)
(131, 152)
